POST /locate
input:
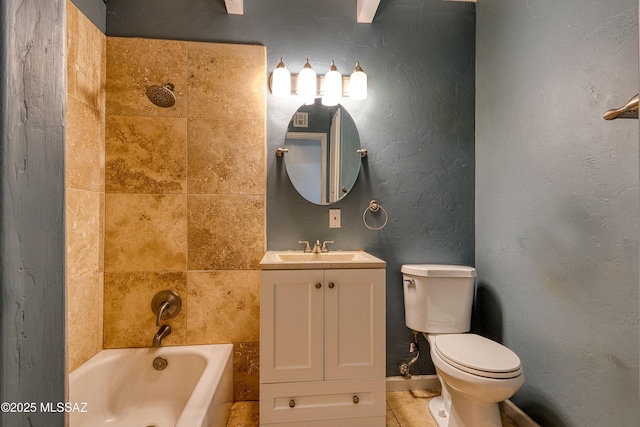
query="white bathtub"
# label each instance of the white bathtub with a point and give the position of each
(122, 389)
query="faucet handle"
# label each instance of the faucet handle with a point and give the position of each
(324, 245)
(165, 305)
(161, 311)
(307, 248)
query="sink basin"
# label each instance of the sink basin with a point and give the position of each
(322, 257)
(296, 260)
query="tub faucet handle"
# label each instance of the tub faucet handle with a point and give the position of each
(165, 305)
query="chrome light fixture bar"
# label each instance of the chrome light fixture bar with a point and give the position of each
(308, 85)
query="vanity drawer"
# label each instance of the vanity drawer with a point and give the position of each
(322, 400)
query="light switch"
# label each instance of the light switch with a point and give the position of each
(334, 218)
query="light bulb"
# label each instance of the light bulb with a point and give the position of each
(281, 81)
(332, 86)
(358, 83)
(307, 83)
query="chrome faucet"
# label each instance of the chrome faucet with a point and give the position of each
(316, 248)
(162, 333)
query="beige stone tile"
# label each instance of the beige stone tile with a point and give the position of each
(86, 56)
(133, 64)
(391, 418)
(102, 231)
(227, 81)
(244, 414)
(72, 16)
(410, 408)
(84, 151)
(84, 318)
(128, 319)
(145, 232)
(226, 157)
(224, 306)
(246, 371)
(83, 233)
(226, 232)
(146, 154)
(506, 421)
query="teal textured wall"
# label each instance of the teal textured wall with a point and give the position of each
(557, 203)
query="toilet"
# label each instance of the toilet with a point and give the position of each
(475, 373)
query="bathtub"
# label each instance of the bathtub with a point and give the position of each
(121, 388)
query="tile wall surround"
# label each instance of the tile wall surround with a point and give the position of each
(186, 195)
(84, 187)
(164, 198)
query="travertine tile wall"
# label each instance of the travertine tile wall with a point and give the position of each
(84, 169)
(185, 195)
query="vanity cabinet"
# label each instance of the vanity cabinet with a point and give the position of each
(322, 347)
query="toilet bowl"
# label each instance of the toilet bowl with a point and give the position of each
(476, 373)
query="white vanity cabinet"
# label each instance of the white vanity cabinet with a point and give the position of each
(322, 347)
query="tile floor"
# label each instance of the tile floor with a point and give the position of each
(404, 409)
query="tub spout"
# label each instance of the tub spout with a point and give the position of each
(161, 334)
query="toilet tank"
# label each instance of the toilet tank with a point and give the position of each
(438, 298)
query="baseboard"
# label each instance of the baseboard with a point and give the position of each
(416, 382)
(520, 418)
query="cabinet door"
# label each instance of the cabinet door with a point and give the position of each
(355, 323)
(291, 328)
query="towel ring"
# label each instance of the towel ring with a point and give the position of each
(374, 206)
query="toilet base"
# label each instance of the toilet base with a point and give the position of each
(438, 412)
(468, 414)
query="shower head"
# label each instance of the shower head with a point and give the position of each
(162, 96)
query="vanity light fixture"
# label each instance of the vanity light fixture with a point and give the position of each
(332, 86)
(308, 86)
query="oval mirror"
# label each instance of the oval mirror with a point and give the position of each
(322, 159)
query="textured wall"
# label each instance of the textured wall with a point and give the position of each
(557, 203)
(185, 194)
(417, 123)
(32, 110)
(84, 183)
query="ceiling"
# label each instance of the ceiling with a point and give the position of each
(366, 9)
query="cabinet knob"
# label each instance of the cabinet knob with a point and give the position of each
(356, 399)
(331, 285)
(292, 403)
(318, 285)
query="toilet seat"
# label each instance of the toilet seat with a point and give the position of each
(477, 355)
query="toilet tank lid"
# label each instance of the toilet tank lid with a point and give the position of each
(438, 270)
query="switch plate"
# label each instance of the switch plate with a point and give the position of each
(334, 218)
